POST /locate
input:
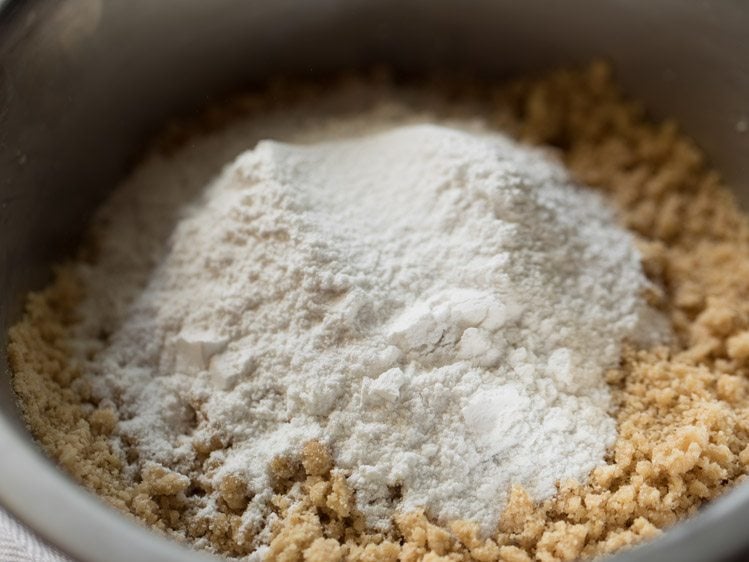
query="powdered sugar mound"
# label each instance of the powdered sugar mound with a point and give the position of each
(437, 306)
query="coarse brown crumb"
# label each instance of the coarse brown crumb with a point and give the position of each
(682, 412)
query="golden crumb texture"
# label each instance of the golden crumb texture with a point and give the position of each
(682, 411)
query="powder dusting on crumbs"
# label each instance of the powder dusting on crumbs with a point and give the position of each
(422, 300)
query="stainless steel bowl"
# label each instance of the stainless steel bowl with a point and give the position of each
(83, 83)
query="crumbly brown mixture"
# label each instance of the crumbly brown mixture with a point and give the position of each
(683, 413)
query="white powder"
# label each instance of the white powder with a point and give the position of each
(437, 306)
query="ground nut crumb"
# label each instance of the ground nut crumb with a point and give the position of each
(103, 420)
(233, 490)
(324, 550)
(340, 498)
(513, 554)
(682, 412)
(161, 481)
(316, 459)
(738, 346)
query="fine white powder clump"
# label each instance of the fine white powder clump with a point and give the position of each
(437, 306)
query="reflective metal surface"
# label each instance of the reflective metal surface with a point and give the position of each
(83, 83)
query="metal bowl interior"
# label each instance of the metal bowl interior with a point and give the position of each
(83, 84)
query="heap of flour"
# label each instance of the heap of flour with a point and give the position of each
(437, 306)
